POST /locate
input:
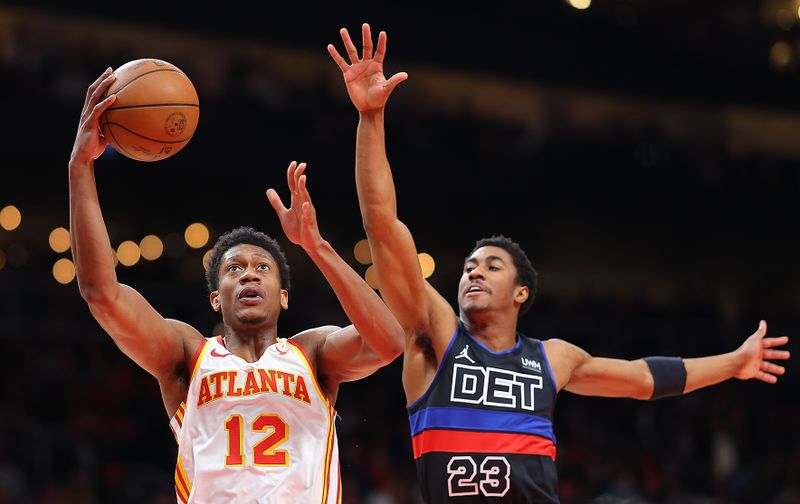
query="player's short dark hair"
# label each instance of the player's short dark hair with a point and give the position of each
(249, 236)
(526, 274)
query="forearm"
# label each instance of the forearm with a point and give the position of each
(705, 371)
(374, 183)
(91, 247)
(394, 252)
(367, 312)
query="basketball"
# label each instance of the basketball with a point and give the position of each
(155, 113)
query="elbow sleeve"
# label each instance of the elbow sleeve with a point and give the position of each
(669, 376)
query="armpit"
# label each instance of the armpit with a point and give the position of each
(425, 344)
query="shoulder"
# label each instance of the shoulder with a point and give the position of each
(564, 352)
(311, 340)
(564, 358)
(314, 334)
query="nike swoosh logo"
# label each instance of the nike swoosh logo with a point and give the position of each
(215, 354)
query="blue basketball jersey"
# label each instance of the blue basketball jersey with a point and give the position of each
(483, 431)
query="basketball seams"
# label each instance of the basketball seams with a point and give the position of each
(117, 144)
(147, 73)
(156, 140)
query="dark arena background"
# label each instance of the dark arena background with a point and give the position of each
(646, 155)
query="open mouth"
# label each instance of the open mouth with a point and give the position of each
(251, 296)
(475, 290)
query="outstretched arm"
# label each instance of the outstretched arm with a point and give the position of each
(595, 376)
(375, 338)
(154, 343)
(416, 304)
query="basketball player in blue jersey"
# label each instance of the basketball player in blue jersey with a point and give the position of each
(480, 395)
(252, 412)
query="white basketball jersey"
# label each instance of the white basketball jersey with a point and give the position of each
(255, 432)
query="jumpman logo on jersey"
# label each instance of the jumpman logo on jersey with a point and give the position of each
(465, 355)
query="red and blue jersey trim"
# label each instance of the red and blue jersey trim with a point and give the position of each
(452, 441)
(456, 418)
(467, 430)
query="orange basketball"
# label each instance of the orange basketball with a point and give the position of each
(155, 113)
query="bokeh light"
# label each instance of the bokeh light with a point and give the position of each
(580, 4)
(780, 55)
(10, 218)
(64, 271)
(128, 253)
(362, 252)
(427, 264)
(152, 247)
(196, 235)
(59, 240)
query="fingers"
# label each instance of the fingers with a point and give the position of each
(773, 342)
(380, 52)
(366, 42)
(769, 367)
(294, 174)
(94, 97)
(101, 107)
(297, 176)
(95, 84)
(308, 212)
(302, 186)
(352, 52)
(766, 377)
(775, 355)
(301, 168)
(276, 202)
(290, 175)
(337, 58)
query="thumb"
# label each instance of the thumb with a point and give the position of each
(276, 202)
(394, 80)
(762, 328)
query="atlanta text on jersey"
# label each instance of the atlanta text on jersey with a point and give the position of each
(256, 381)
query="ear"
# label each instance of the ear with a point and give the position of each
(521, 294)
(214, 298)
(284, 299)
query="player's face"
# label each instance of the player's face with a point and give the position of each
(489, 282)
(249, 290)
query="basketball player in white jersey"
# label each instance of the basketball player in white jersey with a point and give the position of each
(252, 412)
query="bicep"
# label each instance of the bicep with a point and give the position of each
(603, 377)
(154, 343)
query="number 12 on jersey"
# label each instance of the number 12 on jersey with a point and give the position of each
(264, 451)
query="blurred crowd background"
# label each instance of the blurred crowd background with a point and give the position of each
(644, 154)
